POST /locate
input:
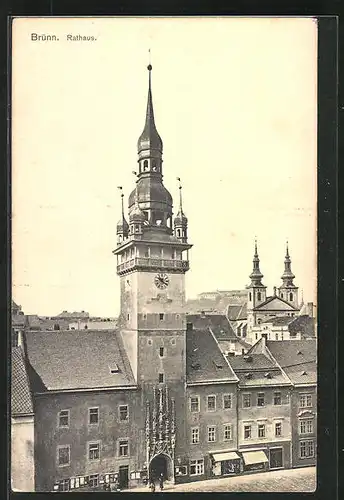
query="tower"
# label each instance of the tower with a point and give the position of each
(256, 291)
(288, 291)
(151, 263)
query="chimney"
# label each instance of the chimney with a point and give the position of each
(275, 291)
(310, 309)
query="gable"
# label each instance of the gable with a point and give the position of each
(275, 304)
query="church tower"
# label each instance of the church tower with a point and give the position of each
(152, 259)
(288, 291)
(256, 291)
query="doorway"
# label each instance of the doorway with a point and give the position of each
(161, 464)
(123, 477)
(276, 458)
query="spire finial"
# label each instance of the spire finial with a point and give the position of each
(149, 67)
(180, 194)
(255, 246)
(122, 196)
(287, 248)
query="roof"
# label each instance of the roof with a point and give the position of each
(63, 360)
(75, 314)
(204, 359)
(237, 312)
(298, 358)
(304, 324)
(279, 320)
(218, 323)
(260, 370)
(21, 400)
(276, 304)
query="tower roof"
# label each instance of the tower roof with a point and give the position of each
(122, 224)
(287, 275)
(256, 275)
(149, 139)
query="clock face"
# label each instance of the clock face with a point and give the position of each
(161, 281)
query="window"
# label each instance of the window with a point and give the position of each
(128, 317)
(145, 165)
(63, 455)
(93, 416)
(194, 404)
(291, 297)
(64, 485)
(259, 296)
(211, 434)
(161, 352)
(123, 448)
(276, 336)
(278, 429)
(260, 399)
(261, 430)
(211, 403)
(93, 451)
(277, 398)
(161, 316)
(195, 435)
(250, 295)
(173, 341)
(123, 413)
(306, 449)
(305, 400)
(227, 401)
(306, 426)
(64, 418)
(161, 378)
(149, 341)
(227, 432)
(93, 480)
(246, 400)
(197, 467)
(247, 432)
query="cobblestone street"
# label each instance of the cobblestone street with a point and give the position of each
(301, 480)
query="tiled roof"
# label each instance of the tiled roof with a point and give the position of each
(237, 312)
(279, 320)
(304, 324)
(257, 362)
(78, 359)
(218, 323)
(204, 360)
(297, 358)
(21, 400)
(257, 369)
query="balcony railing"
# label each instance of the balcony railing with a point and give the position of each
(152, 263)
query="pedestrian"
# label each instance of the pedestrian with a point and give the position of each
(161, 481)
(152, 485)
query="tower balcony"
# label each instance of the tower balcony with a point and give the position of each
(152, 264)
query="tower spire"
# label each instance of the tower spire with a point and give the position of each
(256, 275)
(287, 276)
(122, 225)
(181, 221)
(149, 141)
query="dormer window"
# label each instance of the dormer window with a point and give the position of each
(114, 368)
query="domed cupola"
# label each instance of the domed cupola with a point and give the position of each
(180, 220)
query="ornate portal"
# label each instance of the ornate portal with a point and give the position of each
(160, 425)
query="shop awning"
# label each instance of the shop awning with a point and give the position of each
(254, 457)
(228, 455)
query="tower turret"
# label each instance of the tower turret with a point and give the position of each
(180, 220)
(256, 291)
(122, 228)
(288, 291)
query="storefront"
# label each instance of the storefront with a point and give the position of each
(225, 463)
(254, 460)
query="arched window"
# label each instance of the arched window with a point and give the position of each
(250, 296)
(145, 165)
(281, 295)
(154, 167)
(259, 296)
(291, 297)
(178, 232)
(259, 321)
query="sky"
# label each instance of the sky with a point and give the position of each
(235, 103)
